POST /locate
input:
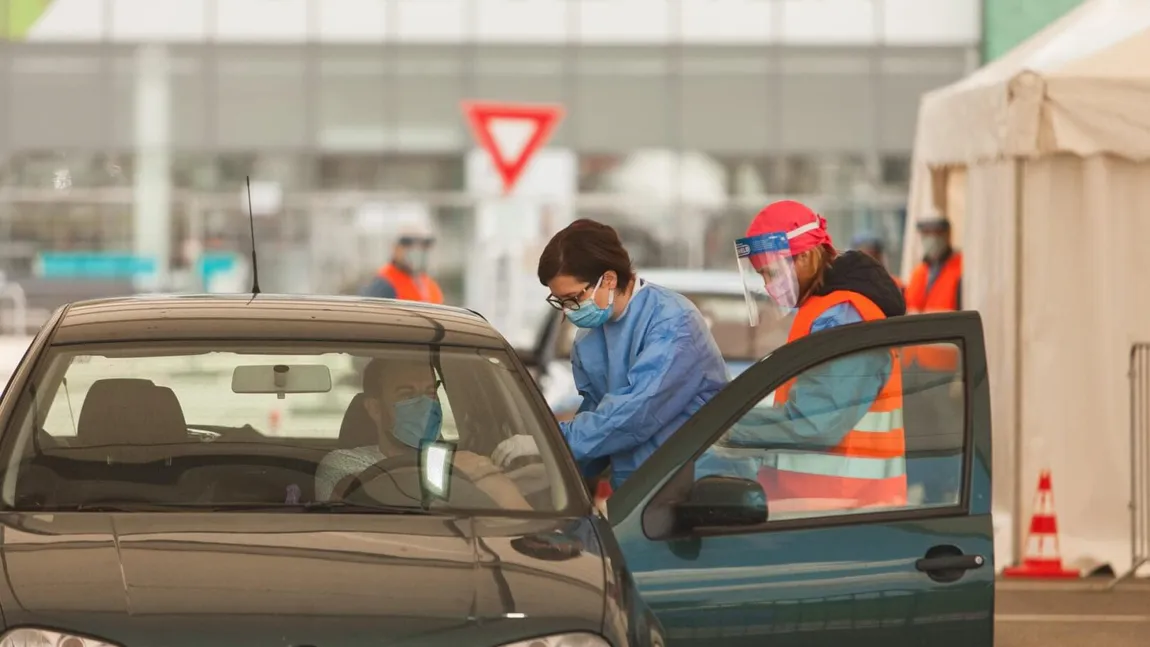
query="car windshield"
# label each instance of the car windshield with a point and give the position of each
(726, 314)
(284, 426)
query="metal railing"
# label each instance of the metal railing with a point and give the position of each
(1139, 379)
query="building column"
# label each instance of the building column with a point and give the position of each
(152, 208)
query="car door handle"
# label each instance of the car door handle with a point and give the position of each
(947, 563)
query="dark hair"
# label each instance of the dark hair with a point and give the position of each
(375, 370)
(586, 250)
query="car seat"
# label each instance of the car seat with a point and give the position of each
(126, 436)
(131, 420)
(357, 429)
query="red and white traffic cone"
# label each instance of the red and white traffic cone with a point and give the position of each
(274, 421)
(1043, 557)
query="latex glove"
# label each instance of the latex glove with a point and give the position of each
(513, 448)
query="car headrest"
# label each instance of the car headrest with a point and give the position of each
(357, 428)
(130, 412)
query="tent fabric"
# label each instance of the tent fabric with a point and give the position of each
(1042, 162)
(1065, 90)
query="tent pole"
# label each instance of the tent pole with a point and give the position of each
(1016, 514)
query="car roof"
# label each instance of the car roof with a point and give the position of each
(271, 317)
(696, 281)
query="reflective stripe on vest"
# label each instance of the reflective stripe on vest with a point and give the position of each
(409, 288)
(868, 466)
(941, 297)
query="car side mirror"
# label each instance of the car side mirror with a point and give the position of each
(717, 501)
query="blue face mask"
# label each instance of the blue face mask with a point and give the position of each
(589, 314)
(417, 420)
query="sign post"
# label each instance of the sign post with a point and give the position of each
(518, 185)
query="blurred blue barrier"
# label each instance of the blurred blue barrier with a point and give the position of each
(93, 265)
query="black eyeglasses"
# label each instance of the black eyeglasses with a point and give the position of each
(568, 303)
(413, 241)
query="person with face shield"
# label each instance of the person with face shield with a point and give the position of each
(405, 277)
(644, 360)
(832, 438)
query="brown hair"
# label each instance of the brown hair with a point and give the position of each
(825, 260)
(586, 250)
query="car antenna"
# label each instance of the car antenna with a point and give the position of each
(252, 227)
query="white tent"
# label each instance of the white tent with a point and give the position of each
(1042, 162)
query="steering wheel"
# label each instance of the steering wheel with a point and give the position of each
(351, 488)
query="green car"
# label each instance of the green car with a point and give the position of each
(154, 496)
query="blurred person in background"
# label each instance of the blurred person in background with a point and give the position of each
(405, 277)
(933, 371)
(842, 418)
(936, 283)
(874, 246)
(644, 360)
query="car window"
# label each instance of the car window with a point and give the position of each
(844, 437)
(303, 415)
(248, 424)
(726, 314)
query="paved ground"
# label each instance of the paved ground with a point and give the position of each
(1078, 614)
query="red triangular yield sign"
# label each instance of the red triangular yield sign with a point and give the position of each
(483, 115)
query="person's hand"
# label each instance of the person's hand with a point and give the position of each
(474, 466)
(513, 448)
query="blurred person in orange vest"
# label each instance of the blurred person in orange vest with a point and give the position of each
(934, 416)
(936, 283)
(842, 438)
(935, 286)
(405, 277)
(874, 246)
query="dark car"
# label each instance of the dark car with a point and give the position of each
(148, 499)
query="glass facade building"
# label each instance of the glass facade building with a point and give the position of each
(130, 135)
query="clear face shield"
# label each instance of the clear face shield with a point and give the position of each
(770, 283)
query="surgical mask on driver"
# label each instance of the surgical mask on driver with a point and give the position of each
(417, 420)
(589, 314)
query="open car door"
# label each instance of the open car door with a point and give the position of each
(722, 560)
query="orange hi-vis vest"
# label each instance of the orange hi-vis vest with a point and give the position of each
(868, 467)
(410, 288)
(941, 297)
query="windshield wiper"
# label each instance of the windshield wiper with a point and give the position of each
(344, 506)
(123, 506)
(287, 508)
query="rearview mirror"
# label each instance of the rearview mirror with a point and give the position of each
(282, 379)
(717, 501)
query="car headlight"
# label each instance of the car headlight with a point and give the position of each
(557, 640)
(25, 637)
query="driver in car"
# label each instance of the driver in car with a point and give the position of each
(402, 398)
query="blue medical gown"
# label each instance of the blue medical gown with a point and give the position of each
(641, 377)
(822, 407)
